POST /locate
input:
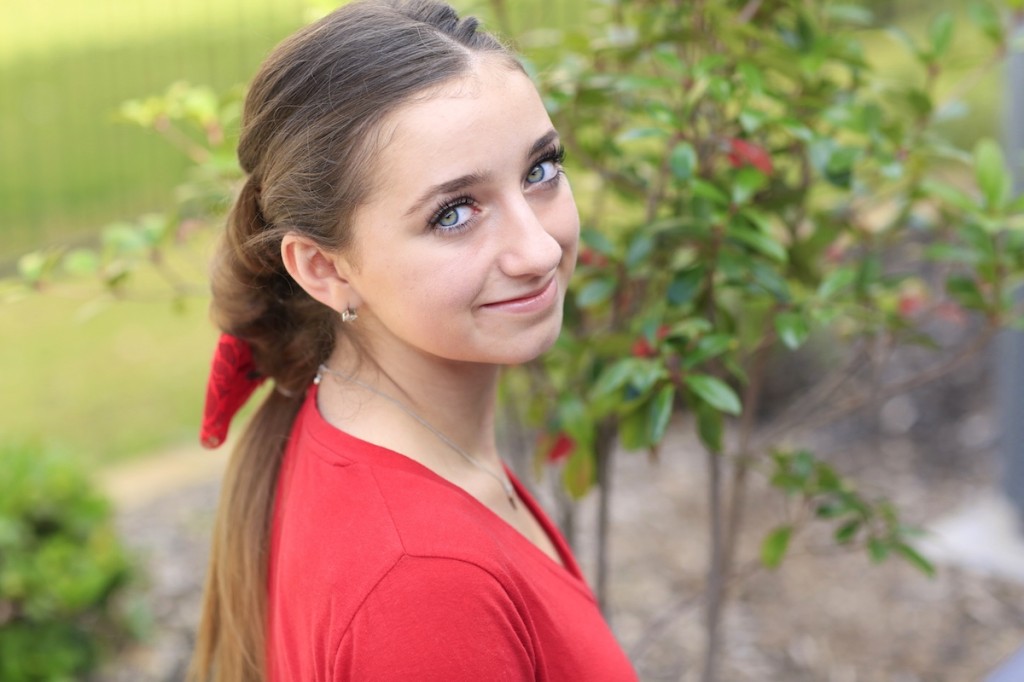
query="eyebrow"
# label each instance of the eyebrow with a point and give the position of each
(478, 177)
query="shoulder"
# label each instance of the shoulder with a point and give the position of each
(442, 617)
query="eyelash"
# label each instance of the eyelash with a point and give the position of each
(554, 155)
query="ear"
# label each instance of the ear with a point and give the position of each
(322, 274)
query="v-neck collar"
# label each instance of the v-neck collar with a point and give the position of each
(328, 436)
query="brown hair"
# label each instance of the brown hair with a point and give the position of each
(311, 123)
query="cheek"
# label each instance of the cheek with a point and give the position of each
(444, 284)
(565, 223)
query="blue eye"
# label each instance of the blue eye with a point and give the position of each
(453, 216)
(545, 170)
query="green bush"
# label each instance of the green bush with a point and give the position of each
(62, 569)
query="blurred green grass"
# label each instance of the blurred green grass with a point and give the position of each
(119, 379)
(66, 167)
(106, 379)
(127, 379)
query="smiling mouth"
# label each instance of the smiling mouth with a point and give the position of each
(535, 300)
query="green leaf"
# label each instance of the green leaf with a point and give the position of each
(987, 19)
(704, 189)
(753, 77)
(845, 533)
(32, 266)
(752, 119)
(792, 329)
(661, 413)
(940, 32)
(966, 292)
(774, 547)
(81, 262)
(991, 175)
(850, 14)
(709, 427)
(641, 134)
(639, 249)
(951, 253)
(685, 285)
(124, 238)
(668, 57)
(878, 550)
(714, 392)
(836, 281)
(683, 161)
(613, 377)
(573, 418)
(951, 195)
(760, 242)
(708, 347)
(915, 559)
(831, 509)
(839, 169)
(828, 479)
(580, 472)
(596, 292)
(904, 38)
(635, 430)
(869, 273)
(597, 241)
(745, 185)
(646, 373)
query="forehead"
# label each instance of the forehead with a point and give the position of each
(473, 121)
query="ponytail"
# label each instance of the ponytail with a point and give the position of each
(290, 335)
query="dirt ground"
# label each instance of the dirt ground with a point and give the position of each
(827, 615)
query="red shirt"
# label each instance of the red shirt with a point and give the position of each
(381, 570)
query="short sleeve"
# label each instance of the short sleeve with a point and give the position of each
(436, 619)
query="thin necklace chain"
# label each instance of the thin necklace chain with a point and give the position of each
(503, 481)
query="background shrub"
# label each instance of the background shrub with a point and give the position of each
(62, 569)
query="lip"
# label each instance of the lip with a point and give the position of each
(537, 300)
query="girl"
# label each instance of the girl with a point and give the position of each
(405, 230)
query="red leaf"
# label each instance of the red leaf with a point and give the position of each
(951, 312)
(642, 348)
(743, 153)
(911, 304)
(591, 257)
(562, 448)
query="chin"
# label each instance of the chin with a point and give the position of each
(533, 347)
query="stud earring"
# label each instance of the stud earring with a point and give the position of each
(349, 315)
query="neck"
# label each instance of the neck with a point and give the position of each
(455, 398)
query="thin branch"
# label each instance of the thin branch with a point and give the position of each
(604, 451)
(657, 193)
(738, 489)
(715, 575)
(813, 398)
(748, 12)
(854, 403)
(618, 180)
(971, 80)
(193, 150)
(660, 622)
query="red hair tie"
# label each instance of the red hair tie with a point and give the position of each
(233, 378)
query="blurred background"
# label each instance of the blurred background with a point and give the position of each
(110, 382)
(116, 382)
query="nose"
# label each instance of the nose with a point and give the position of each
(529, 249)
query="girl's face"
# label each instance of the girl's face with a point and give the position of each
(464, 249)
